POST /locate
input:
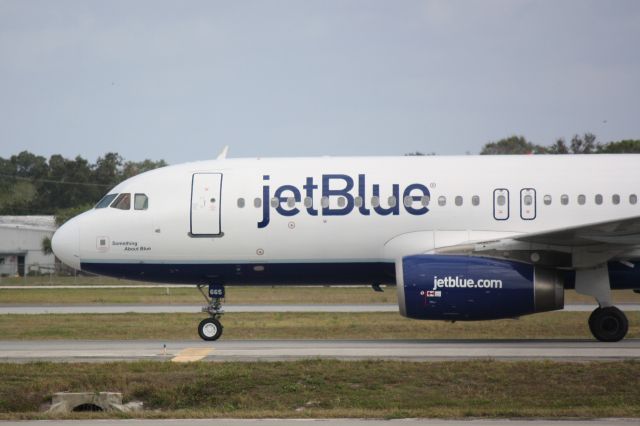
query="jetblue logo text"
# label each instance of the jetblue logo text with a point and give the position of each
(459, 282)
(334, 186)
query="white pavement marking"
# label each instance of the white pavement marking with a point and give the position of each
(230, 308)
(271, 350)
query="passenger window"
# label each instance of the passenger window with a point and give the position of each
(598, 199)
(564, 199)
(442, 200)
(424, 200)
(240, 202)
(106, 200)
(408, 200)
(458, 200)
(582, 199)
(257, 202)
(502, 200)
(358, 201)
(308, 202)
(324, 201)
(392, 201)
(375, 201)
(123, 202)
(141, 202)
(633, 198)
(475, 200)
(342, 201)
(615, 199)
(547, 200)
(274, 202)
(291, 201)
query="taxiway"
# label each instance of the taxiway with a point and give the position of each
(279, 350)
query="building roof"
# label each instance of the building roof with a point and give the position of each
(34, 223)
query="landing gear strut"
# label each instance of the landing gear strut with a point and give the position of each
(608, 324)
(210, 329)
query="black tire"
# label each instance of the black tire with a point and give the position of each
(210, 329)
(608, 324)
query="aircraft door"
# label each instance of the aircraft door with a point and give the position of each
(206, 189)
(528, 204)
(501, 204)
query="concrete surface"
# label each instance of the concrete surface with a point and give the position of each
(271, 350)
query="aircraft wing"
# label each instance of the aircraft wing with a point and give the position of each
(616, 232)
(583, 246)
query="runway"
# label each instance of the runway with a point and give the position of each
(283, 350)
(230, 308)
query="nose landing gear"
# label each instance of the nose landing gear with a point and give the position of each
(210, 329)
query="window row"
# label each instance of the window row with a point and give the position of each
(458, 200)
(409, 201)
(598, 199)
(123, 201)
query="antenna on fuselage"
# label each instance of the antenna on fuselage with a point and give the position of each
(223, 153)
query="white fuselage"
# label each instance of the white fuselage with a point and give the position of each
(206, 213)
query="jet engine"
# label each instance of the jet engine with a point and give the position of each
(466, 288)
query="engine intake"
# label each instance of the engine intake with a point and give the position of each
(465, 288)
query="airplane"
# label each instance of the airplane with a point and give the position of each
(463, 238)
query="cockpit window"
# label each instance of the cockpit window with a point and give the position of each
(123, 202)
(106, 200)
(141, 202)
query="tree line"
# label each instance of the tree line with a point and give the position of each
(34, 185)
(579, 144)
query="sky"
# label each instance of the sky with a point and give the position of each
(179, 80)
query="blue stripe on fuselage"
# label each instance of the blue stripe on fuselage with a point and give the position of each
(248, 273)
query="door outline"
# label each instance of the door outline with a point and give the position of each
(219, 196)
(497, 192)
(529, 191)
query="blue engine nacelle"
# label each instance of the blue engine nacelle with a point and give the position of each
(465, 288)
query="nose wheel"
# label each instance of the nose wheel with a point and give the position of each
(210, 329)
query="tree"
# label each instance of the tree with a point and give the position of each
(63, 215)
(29, 184)
(584, 145)
(627, 146)
(46, 246)
(132, 168)
(511, 145)
(418, 154)
(560, 147)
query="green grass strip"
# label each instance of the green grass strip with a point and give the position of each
(553, 325)
(328, 388)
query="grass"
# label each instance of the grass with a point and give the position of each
(235, 295)
(330, 388)
(191, 295)
(553, 325)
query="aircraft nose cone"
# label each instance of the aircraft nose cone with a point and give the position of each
(66, 244)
